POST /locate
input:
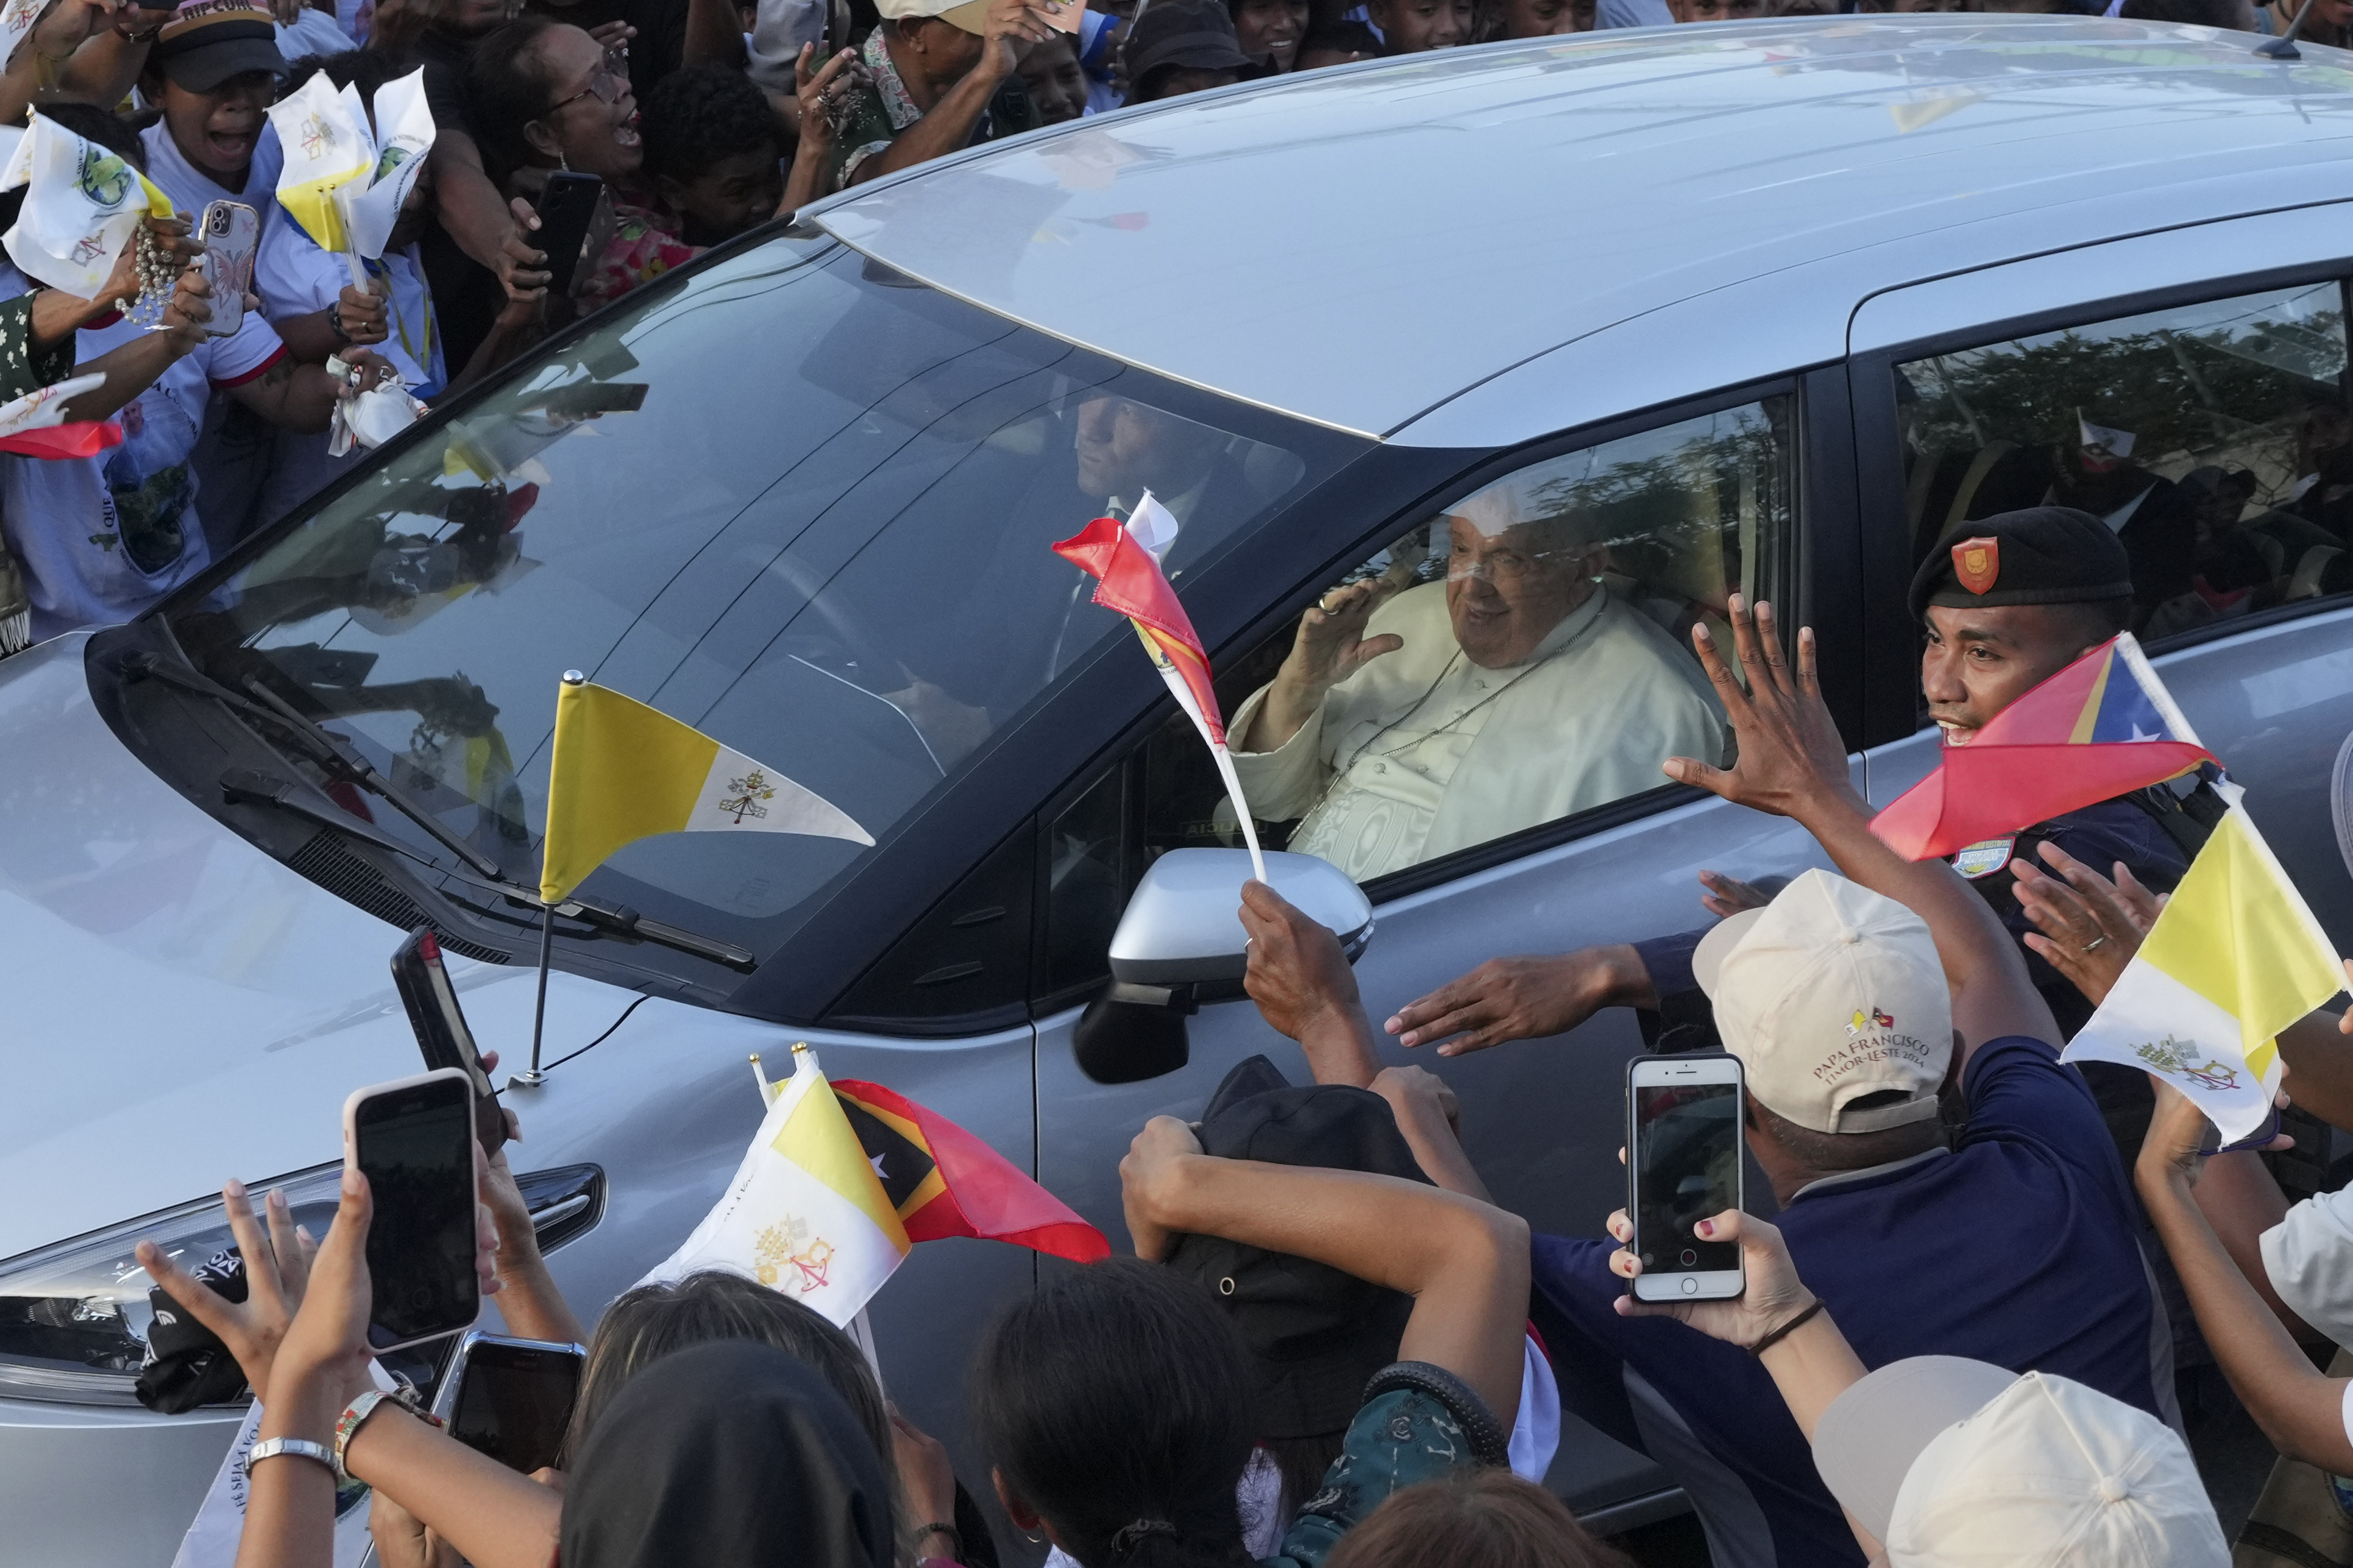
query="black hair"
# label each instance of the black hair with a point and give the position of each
(2228, 15)
(104, 127)
(647, 1323)
(697, 116)
(1850, 1151)
(1114, 1401)
(1342, 38)
(366, 69)
(92, 123)
(2111, 615)
(506, 90)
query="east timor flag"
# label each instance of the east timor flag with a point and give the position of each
(944, 1182)
(2104, 726)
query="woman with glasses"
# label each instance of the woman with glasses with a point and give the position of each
(547, 96)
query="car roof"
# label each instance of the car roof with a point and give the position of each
(1358, 245)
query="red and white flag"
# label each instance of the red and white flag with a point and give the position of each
(1124, 559)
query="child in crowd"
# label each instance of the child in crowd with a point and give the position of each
(711, 151)
(1116, 1400)
(1051, 75)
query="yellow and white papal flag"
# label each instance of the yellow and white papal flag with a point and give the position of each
(622, 771)
(806, 1214)
(82, 206)
(2235, 957)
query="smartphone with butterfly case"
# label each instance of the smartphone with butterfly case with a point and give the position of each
(231, 232)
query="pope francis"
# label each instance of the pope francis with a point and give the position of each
(1407, 725)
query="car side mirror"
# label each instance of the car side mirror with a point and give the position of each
(1181, 943)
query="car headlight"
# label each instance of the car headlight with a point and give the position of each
(74, 1316)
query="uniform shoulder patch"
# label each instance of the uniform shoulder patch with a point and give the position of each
(1985, 857)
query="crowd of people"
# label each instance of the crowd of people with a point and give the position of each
(702, 118)
(1957, 1343)
(1993, 1280)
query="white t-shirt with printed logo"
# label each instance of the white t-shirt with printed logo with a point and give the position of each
(103, 538)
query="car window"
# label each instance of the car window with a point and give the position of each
(798, 502)
(2214, 438)
(1519, 657)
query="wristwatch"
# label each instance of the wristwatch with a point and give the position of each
(270, 1447)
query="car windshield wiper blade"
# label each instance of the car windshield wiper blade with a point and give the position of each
(321, 747)
(244, 787)
(244, 784)
(625, 921)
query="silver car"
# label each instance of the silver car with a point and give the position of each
(1764, 306)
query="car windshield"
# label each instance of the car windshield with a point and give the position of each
(794, 499)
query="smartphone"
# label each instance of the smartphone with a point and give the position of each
(1683, 1165)
(413, 1139)
(566, 209)
(510, 1399)
(230, 231)
(423, 982)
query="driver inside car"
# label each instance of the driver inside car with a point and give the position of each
(1405, 724)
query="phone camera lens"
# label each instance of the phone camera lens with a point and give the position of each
(1690, 1257)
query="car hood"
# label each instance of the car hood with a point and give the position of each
(175, 1006)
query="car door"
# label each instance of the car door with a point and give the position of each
(1743, 491)
(2190, 387)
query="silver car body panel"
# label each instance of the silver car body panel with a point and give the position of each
(1358, 247)
(182, 1009)
(1721, 205)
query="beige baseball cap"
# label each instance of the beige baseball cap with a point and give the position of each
(1953, 1462)
(1830, 995)
(972, 15)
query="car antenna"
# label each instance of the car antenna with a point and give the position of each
(2284, 47)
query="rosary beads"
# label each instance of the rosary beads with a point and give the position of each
(156, 282)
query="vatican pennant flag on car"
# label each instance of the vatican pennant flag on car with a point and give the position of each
(2235, 957)
(82, 206)
(805, 1212)
(622, 771)
(2104, 726)
(619, 771)
(1124, 559)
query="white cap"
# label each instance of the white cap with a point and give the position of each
(1953, 1462)
(972, 15)
(1827, 994)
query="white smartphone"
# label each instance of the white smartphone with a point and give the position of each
(1683, 1165)
(414, 1140)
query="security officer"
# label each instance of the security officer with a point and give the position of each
(2005, 603)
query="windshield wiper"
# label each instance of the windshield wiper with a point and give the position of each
(625, 921)
(321, 747)
(244, 787)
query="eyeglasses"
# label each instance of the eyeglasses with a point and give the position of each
(607, 84)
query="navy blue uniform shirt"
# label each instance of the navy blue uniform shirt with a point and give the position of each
(2099, 835)
(2017, 1248)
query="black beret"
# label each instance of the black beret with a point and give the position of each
(2043, 555)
